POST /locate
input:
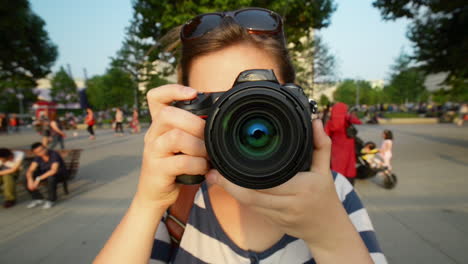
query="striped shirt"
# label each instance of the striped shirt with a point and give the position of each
(204, 241)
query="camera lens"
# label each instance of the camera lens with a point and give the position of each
(258, 137)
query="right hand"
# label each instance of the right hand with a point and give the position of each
(31, 185)
(172, 131)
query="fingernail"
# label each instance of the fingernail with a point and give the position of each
(189, 90)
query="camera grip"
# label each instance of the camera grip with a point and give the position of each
(190, 179)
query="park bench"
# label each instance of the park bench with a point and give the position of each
(71, 159)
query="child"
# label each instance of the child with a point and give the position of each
(369, 152)
(386, 148)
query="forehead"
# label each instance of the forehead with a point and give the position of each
(218, 70)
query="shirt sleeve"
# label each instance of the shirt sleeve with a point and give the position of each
(359, 217)
(19, 156)
(161, 251)
(354, 120)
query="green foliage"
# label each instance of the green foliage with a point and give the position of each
(155, 81)
(113, 89)
(406, 82)
(324, 100)
(347, 92)
(26, 52)
(63, 89)
(458, 92)
(438, 31)
(9, 101)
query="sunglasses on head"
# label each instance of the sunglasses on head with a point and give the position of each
(254, 20)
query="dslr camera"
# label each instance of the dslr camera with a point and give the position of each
(258, 134)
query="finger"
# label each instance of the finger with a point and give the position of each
(178, 141)
(166, 94)
(172, 117)
(322, 149)
(248, 196)
(183, 164)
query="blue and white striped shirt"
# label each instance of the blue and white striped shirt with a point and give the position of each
(204, 241)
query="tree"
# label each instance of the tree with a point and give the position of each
(133, 58)
(406, 82)
(314, 64)
(324, 100)
(64, 88)
(13, 99)
(26, 52)
(348, 90)
(113, 89)
(439, 31)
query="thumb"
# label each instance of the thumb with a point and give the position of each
(322, 148)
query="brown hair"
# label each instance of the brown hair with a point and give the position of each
(227, 34)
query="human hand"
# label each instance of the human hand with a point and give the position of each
(36, 183)
(172, 131)
(306, 206)
(32, 185)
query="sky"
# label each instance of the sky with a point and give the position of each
(89, 32)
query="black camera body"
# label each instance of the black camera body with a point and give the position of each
(258, 134)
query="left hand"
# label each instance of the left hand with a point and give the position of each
(304, 207)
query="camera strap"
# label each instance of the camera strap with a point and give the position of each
(178, 214)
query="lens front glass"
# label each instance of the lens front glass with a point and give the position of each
(258, 138)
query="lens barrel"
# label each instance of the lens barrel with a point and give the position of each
(259, 135)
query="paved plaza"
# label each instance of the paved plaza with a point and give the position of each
(423, 220)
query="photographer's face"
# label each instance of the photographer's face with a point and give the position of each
(217, 71)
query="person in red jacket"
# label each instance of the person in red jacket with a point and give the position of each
(343, 158)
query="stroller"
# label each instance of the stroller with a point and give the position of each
(366, 171)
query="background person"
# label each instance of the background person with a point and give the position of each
(119, 118)
(386, 148)
(47, 165)
(56, 132)
(135, 123)
(90, 121)
(228, 223)
(10, 165)
(343, 155)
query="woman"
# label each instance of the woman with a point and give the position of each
(56, 132)
(343, 155)
(90, 121)
(135, 123)
(229, 223)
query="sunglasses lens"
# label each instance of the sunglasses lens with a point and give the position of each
(257, 20)
(201, 25)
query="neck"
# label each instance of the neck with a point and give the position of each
(245, 227)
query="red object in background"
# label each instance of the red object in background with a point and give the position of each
(13, 122)
(44, 108)
(343, 158)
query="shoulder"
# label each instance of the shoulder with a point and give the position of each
(55, 155)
